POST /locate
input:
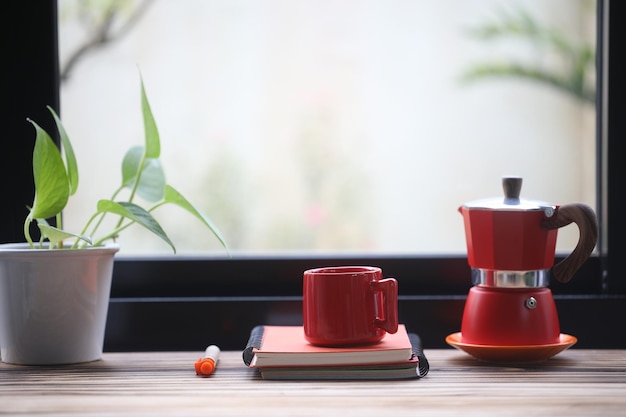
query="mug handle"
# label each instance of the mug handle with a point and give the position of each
(585, 219)
(389, 288)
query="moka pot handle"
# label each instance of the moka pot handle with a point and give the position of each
(585, 219)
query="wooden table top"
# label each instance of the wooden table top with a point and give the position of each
(574, 383)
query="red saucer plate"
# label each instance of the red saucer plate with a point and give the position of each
(512, 354)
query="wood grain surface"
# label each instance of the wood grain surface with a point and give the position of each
(574, 383)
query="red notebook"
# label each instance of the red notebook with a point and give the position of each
(285, 346)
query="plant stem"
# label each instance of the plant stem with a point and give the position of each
(95, 228)
(60, 226)
(27, 232)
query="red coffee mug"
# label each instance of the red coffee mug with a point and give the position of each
(348, 305)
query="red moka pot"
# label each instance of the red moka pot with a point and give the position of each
(511, 247)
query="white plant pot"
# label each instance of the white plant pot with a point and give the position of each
(53, 303)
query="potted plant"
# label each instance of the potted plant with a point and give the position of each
(54, 292)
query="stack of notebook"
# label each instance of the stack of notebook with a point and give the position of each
(281, 352)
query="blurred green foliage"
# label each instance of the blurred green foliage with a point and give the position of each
(575, 72)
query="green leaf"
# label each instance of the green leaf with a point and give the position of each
(137, 214)
(130, 164)
(70, 158)
(152, 181)
(55, 236)
(153, 143)
(174, 197)
(52, 188)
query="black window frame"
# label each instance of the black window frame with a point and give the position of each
(182, 303)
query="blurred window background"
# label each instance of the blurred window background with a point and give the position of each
(324, 126)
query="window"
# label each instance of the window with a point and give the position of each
(317, 127)
(181, 302)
